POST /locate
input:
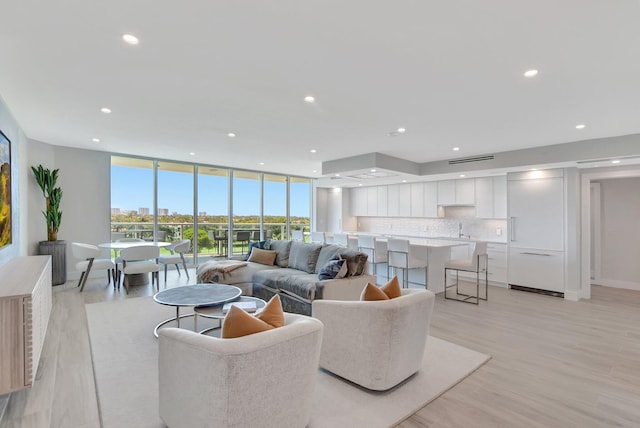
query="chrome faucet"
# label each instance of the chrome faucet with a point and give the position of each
(460, 234)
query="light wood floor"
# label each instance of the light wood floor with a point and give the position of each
(555, 363)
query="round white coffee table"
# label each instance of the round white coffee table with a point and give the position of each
(194, 295)
(216, 312)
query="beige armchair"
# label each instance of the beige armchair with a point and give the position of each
(262, 380)
(376, 344)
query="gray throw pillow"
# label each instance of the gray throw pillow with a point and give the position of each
(304, 256)
(282, 251)
(334, 269)
(355, 261)
(328, 252)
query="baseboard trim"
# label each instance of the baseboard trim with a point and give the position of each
(573, 296)
(617, 284)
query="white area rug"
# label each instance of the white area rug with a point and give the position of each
(125, 360)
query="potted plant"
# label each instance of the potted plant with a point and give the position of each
(47, 180)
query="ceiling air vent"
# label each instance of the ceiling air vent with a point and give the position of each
(471, 159)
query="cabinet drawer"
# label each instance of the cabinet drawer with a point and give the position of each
(498, 274)
(540, 269)
(497, 261)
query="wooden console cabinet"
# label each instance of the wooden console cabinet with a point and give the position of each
(25, 306)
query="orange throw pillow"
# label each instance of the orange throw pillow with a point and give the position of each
(390, 290)
(371, 292)
(272, 313)
(238, 323)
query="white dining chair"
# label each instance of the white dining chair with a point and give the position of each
(401, 256)
(89, 256)
(478, 263)
(118, 260)
(318, 237)
(177, 250)
(375, 248)
(140, 259)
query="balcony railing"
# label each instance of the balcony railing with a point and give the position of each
(207, 244)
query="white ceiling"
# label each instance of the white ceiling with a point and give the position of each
(450, 72)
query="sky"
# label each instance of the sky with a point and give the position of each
(132, 189)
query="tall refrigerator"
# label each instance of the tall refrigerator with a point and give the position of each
(536, 210)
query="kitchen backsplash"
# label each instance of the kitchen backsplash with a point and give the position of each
(476, 228)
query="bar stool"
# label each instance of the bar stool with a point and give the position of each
(401, 256)
(318, 237)
(375, 248)
(474, 264)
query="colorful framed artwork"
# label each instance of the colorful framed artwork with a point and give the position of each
(5, 190)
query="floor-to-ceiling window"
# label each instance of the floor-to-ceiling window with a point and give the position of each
(132, 198)
(175, 201)
(246, 209)
(150, 195)
(213, 210)
(275, 205)
(300, 204)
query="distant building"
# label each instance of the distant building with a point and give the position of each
(163, 211)
(115, 211)
(143, 211)
(202, 213)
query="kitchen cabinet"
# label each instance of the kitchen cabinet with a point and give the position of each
(417, 199)
(383, 209)
(404, 206)
(457, 192)
(358, 201)
(430, 199)
(393, 200)
(372, 201)
(536, 229)
(447, 192)
(491, 197)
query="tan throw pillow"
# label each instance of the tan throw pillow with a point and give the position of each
(392, 288)
(371, 292)
(238, 323)
(272, 313)
(265, 257)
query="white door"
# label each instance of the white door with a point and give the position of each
(536, 213)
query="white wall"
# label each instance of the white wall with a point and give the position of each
(620, 233)
(85, 179)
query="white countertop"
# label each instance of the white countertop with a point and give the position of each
(424, 240)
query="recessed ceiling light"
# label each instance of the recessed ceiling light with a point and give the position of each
(261, 163)
(231, 134)
(309, 99)
(313, 150)
(534, 169)
(615, 161)
(360, 184)
(373, 170)
(95, 140)
(531, 73)
(315, 170)
(130, 39)
(105, 110)
(337, 175)
(581, 126)
(462, 175)
(456, 149)
(401, 130)
(192, 153)
(404, 181)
